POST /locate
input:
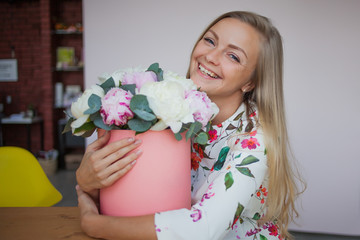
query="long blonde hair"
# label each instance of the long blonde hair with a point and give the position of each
(269, 99)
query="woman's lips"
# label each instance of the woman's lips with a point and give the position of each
(207, 73)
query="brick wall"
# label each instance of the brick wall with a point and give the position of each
(26, 26)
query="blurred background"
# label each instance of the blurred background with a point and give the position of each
(51, 50)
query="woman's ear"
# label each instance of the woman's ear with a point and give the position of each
(248, 87)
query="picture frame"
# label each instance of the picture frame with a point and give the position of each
(8, 70)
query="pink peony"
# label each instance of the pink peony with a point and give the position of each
(116, 107)
(203, 108)
(139, 78)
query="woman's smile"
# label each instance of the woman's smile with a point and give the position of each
(206, 73)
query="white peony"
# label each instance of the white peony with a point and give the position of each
(186, 83)
(167, 100)
(81, 105)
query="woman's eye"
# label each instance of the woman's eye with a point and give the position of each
(234, 57)
(209, 40)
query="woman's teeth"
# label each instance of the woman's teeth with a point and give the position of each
(207, 72)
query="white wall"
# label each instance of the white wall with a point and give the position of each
(321, 40)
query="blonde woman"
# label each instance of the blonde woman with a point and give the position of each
(243, 186)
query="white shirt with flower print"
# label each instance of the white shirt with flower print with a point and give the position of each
(229, 187)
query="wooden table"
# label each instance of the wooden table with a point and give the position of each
(48, 223)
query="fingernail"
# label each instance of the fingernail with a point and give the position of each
(131, 139)
(138, 141)
(138, 152)
(133, 162)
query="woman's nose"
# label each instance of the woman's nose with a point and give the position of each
(213, 56)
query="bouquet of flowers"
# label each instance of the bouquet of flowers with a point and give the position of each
(141, 100)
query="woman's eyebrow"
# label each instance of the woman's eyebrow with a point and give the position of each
(239, 49)
(230, 45)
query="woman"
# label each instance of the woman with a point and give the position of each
(240, 188)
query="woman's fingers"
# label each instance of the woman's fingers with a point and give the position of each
(100, 142)
(119, 148)
(103, 167)
(116, 164)
(119, 168)
(104, 163)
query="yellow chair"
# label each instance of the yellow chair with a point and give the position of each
(23, 183)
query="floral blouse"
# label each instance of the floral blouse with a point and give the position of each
(229, 187)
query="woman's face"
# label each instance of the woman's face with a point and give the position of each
(224, 59)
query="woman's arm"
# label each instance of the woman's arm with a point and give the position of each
(103, 164)
(109, 227)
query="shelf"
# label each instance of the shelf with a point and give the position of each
(69, 69)
(67, 32)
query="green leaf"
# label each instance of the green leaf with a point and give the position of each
(94, 103)
(239, 116)
(100, 123)
(108, 84)
(88, 133)
(221, 159)
(95, 116)
(230, 127)
(67, 127)
(256, 216)
(248, 160)
(139, 125)
(241, 126)
(262, 237)
(67, 114)
(157, 70)
(153, 67)
(129, 87)
(160, 76)
(146, 116)
(195, 127)
(183, 129)
(249, 126)
(178, 136)
(85, 127)
(228, 180)
(201, 138)
(239, 210)
(208, 127)
(140, 106)
(246, 171)
(238, 155)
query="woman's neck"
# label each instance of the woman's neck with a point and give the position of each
(226, 109)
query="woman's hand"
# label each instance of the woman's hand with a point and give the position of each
(88, 210)
(103, 164)
(110, 227)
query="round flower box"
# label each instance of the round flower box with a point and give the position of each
(159, 180)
